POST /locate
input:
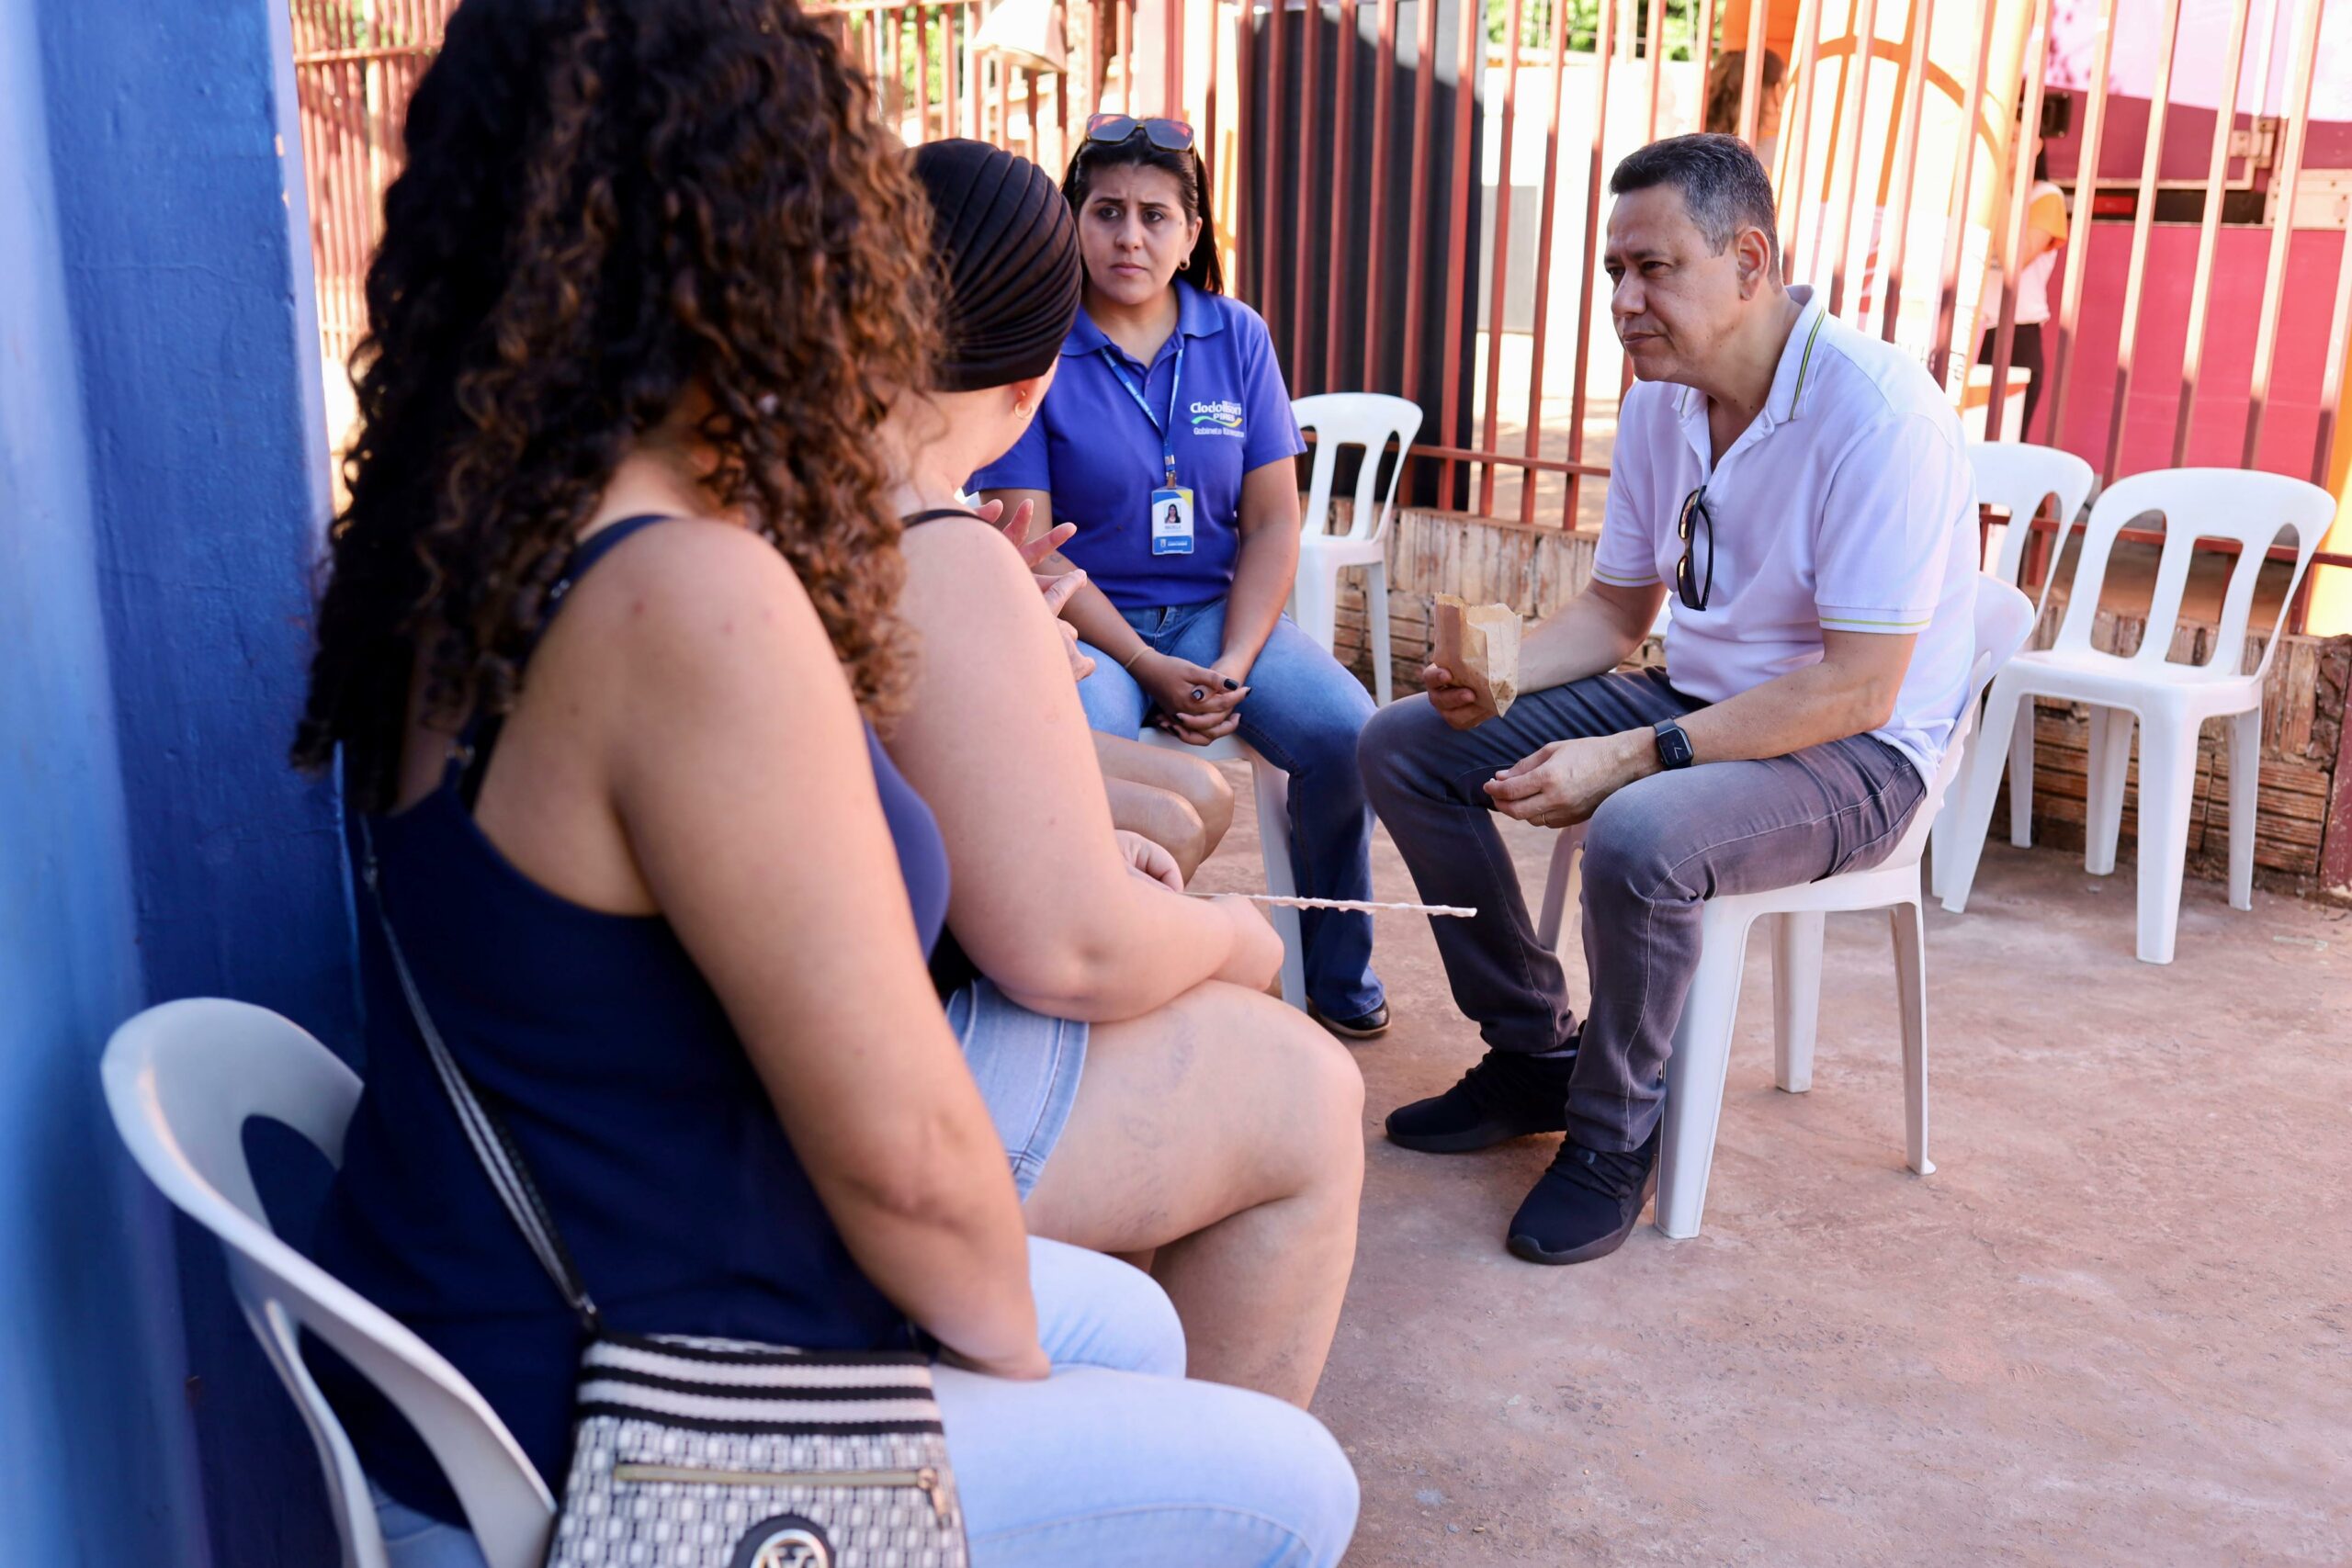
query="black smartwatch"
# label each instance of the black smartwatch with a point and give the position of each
(1673, 746)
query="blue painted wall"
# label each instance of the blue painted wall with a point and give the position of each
(96, 1466)
(160, 485)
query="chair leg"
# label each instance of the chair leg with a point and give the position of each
(2021, 777)
(1978, 782)
(2110, 766)
(1911, 998)
(1315, 596)
(1796, 996)
(1558, 884)
(1272, 787)
(1694, 1079)
(1940, 831)
(2167, 791)
(1375, 615)
(2246, 788)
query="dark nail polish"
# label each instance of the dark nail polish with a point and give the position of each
(1232, 685)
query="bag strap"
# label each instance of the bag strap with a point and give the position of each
(492, 1144)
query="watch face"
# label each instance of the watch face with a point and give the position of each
(1673, 746)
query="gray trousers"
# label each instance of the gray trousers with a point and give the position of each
(1652, 851)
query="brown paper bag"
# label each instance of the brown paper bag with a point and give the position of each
(1479, 644)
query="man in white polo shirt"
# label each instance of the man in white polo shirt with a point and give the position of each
(1800, 489)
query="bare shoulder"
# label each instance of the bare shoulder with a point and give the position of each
(962, 555)
(695, 602)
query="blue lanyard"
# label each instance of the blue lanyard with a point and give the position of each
(1163, 430)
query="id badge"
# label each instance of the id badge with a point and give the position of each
(1171, 522)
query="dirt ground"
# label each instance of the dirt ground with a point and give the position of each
(2115, 1326)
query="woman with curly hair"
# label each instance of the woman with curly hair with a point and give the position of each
(1152, 1099)
(648, 285)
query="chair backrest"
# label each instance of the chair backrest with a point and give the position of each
(2237, 504)
(181, 1080)
(2018, 478)
(2005, 618)
(1369, 420)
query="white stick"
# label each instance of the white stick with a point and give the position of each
(1354, 905)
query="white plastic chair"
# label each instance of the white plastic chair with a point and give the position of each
(2169, 701)
(181, 1080)
(1701, 1058)
(1369, 420)
(1273, 790)
(2016, 478)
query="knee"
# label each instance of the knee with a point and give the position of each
(1311, 1488)
(1095, 1311)
(1628, 848)
(1390, 743)
(1210, 794)
(1325, 1104)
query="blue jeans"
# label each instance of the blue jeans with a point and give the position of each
(1303, 714)
(1117, 1458)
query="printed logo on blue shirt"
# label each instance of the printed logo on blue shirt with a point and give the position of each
(1219, 418)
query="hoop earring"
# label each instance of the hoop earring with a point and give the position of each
(1185, 266)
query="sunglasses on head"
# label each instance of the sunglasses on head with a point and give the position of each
(1694, 583)
(1168, 135)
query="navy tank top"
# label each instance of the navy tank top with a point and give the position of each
(651, 1138)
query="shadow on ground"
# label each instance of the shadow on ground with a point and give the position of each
(2114, 1328)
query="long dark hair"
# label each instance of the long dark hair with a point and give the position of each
(609, 204)
(1205, 270)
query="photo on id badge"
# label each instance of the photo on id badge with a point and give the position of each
(1171, 522)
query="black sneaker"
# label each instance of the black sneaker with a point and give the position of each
(1508, 1095)
(1586, 1204)
(1368, 1026)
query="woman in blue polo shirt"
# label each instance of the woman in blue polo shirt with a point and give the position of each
(1167, 439)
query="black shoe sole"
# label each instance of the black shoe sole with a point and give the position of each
(1527, 1249)
(1347, 1031)
(1470, 1140)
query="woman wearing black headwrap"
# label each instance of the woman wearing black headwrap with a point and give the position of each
(1152, 1097)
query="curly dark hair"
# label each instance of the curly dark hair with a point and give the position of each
(607, 205)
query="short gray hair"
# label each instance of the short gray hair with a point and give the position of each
(1722, 183)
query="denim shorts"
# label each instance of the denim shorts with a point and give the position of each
(1027, 1065)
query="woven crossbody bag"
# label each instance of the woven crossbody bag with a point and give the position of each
(692, 1453)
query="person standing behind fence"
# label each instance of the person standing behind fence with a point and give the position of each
(1727, 81)
(1803, 488)
(615, 579)
(2045, 231)
(1168, 440)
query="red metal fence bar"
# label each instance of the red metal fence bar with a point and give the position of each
(1498, 275)
(2023, 142)
(1467, 58)
(1601, 57)
(1343, 188)
(1956, 215)
(2078, 253)
(1859, 60)
(1796, 129)
(2142, 221)
(2290, 168)
(1310, 127)
(2209, 234)
(1921, 19)
(1384, 76)
(1424, 110)
(1546, 208)
(1751, 75)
